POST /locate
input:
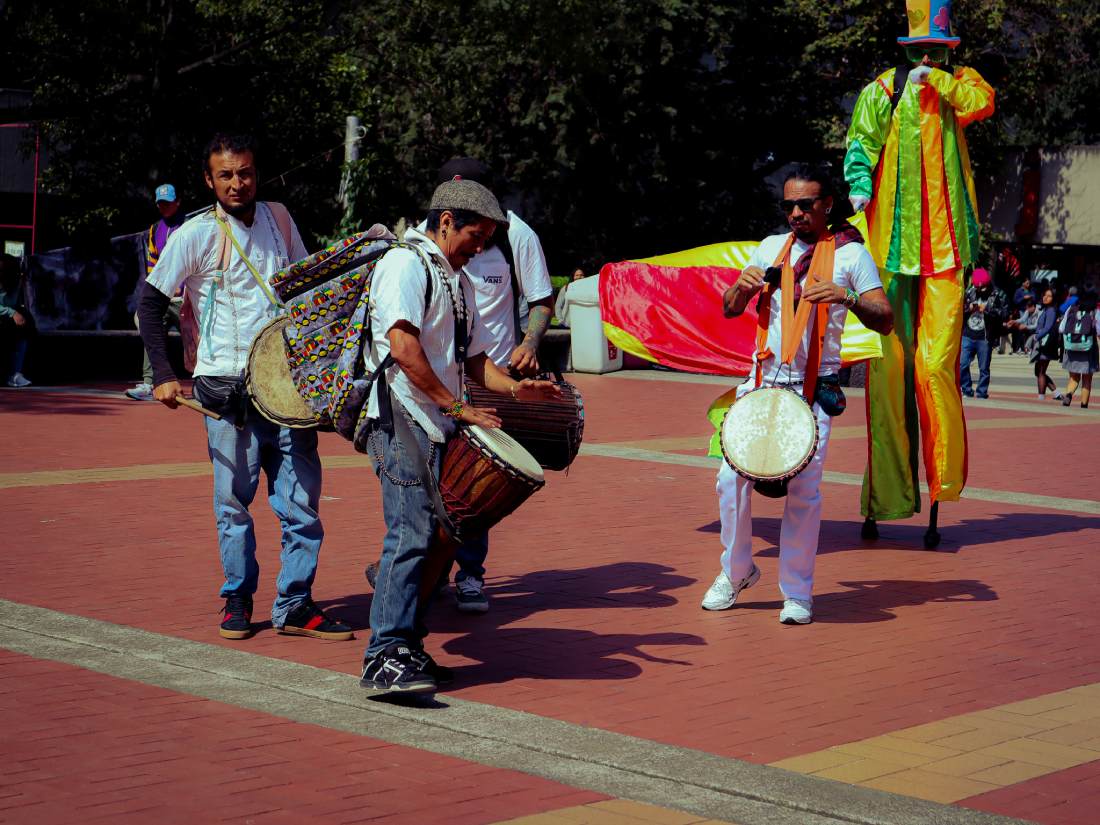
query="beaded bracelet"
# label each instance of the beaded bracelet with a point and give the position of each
(455, 410)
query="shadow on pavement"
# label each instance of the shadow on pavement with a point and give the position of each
(60, 403)
(505, 653)
(875, 600)
(838, 536)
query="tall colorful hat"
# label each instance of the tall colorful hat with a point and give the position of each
(929, 23)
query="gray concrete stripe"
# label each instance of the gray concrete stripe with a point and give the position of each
(1070, 505)
(622, 766)
(729, 382)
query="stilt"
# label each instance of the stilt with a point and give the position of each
(869, 531)
(932, 535)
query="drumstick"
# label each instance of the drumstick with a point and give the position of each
(197, 407)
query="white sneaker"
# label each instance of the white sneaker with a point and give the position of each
(18, 381)
(723, 593)
(140, 392)
(796, 611)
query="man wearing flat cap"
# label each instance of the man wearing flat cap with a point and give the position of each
(423, 312)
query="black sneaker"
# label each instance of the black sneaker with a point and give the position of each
(395, 670)
(236, 617)
(470, 596)
(307, 619)
(424, 661)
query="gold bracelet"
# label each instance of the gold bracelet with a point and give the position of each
(514, 392)
(455, 410)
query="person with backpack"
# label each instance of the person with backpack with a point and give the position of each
(1048, 344)
(908, 168)
(1079, 347)
(514, 298)
(222, 259)
(424, 322)
(156, 237)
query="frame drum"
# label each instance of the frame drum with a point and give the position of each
(769, 434)
(268, 380)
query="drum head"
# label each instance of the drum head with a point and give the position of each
(269, 383)
(506, 451)
(769, 434)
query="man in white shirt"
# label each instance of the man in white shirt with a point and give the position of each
(513, 261)
(222, 260)
(855, 285)
(434, 335)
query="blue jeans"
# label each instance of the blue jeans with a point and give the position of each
(289, 460)
(410, 525)
(982, 349)
(471, 558)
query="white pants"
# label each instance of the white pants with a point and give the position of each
(801, 519)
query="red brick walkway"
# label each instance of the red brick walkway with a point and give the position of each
(596, 582)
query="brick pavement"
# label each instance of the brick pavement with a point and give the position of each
(84, 747)
(595, 615)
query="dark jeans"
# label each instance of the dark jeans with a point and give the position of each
(410, 524)
(471, 558)
(984, 351)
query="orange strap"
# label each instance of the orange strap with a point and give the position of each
(794, 323)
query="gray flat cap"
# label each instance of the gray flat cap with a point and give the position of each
(468, 195)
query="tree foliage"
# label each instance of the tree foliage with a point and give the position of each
(624, 128)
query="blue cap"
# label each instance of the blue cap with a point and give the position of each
(166, 192)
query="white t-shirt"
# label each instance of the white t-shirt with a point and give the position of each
(492, 284)
(240, 307)
(397, 294)
(853, 268)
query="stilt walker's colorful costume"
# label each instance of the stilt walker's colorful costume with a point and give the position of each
(907, 156)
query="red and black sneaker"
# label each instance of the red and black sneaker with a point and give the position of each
(307, 619)
(237, 617)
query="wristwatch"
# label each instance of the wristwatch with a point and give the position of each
(851, 298)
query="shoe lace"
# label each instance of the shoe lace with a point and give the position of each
(469, 586)
(236, 605)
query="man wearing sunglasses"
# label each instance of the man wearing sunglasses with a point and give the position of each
(829, 268)
(907, 165)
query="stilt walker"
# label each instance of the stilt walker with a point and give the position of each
(907, 164)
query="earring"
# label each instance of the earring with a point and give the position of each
(828, 210)
(444, 234)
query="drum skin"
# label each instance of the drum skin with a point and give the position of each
(269, 383)
(550, 430)
(485, 476)
(769, 434)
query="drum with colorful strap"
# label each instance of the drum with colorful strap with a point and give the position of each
(551, 430)
(769, 435)
(269, 382)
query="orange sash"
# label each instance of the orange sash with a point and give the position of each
(794, 323)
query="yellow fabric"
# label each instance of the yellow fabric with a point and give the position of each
(627, 342)
(734, 254)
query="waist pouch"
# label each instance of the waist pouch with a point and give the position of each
(225, 396)
(829, 396)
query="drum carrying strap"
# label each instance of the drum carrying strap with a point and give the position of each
(793, 321)
(402, 431)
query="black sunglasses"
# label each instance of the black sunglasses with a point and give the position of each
(805, 204)
(937, 54)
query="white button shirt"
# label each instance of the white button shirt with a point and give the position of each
(397, 293)
(239, 308)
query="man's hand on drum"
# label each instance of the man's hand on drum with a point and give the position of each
(167, 392)
(524, 360)
(481, 416)
(530, 389)
(825, 292)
